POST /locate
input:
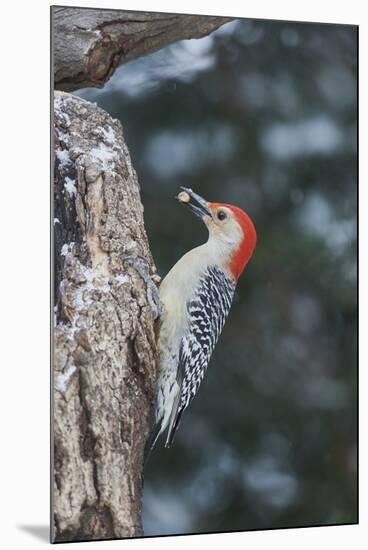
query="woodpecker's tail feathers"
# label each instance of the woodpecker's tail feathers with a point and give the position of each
(175, 414)
(151, 440)
(173, 427)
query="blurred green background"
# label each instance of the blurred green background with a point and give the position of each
(261, 114)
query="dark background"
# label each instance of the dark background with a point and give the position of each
(263, 115)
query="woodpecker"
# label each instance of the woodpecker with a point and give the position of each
(196, 297)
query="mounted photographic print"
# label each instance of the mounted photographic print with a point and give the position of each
(204, 229)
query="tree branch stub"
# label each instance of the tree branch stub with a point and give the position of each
(89, 44)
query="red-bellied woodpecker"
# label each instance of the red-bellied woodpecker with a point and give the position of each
(196, 297)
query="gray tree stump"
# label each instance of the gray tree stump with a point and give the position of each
(104, 343)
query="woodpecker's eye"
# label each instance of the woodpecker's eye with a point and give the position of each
(221, 215)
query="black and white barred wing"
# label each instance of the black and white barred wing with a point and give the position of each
(207, 311)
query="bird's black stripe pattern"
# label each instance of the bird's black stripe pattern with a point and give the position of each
(207, 314)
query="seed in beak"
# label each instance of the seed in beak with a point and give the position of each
(183, 197)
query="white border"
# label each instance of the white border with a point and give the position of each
(24, 219)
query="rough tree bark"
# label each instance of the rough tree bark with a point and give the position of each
(105, 357)
(104, 345)
(89, 44)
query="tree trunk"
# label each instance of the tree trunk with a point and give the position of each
(104, 344)
(88, 44)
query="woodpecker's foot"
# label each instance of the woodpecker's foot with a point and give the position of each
(142, 267)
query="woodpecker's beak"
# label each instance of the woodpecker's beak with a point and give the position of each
(202, 210)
